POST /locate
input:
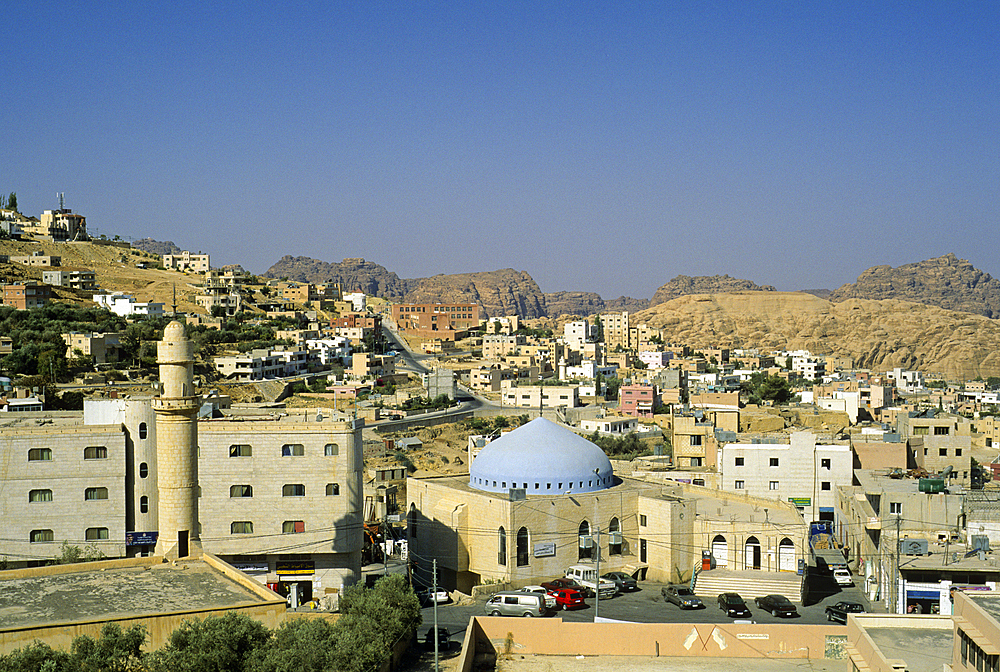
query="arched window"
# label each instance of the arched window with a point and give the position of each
(586, 542)
(614, 537)
(522, 547)
(332, 489)
(411, 522)
(502, 547)
(143, 470)
(144, 504)
(143, 430)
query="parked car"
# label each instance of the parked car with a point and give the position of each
(586, 576)
(564, 582)
(838, 612)
(428, 596)
(624, 581)
(550, 602)
(515, 603)
(843, 577)
(682, 596)
(776, 605)
(568, 598)
(733, 605)
(443, 639)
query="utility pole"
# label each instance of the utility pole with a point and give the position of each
(385, 541)
(897, 575)
(434, 571)
(597, 581)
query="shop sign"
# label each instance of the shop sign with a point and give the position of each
(140, 538)
(801, 501)
(295, 567)
(545, 549)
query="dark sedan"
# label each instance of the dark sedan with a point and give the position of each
(563, 582)
(776, 605)
(624, 581)
(733, 605)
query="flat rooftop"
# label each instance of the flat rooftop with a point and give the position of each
(988, 603)
(673, 663)
(98, 593)
(923, 649)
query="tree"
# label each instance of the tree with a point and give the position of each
(373, 621)
(12, 202)
(299, 645)
(215, 644)
(762, 387)
(116, 650)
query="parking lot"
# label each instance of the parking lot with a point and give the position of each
(646, 605)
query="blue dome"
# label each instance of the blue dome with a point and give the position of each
(544, 459)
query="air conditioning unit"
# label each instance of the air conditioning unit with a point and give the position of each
(586, 542)
(615, 538)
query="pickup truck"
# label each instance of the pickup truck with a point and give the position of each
(587, 577)
(838, 612)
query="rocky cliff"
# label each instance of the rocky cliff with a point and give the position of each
(876, 334)
(354, 275)
(684, 285)
(159, 247)
(589, 303)
(948, 282)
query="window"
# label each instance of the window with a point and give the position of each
(958, 452)
(331, 449)
(921, 431)
(586, 542)
(40, 496)
(502, 547)
(773, 485)
(333, 488)
(293, 450)
(241, 491)
(896, 508)
(825, 463)
(740, 461)
(522, 547)
(942, 431)
(240, 450)
(143, 470)
(642, 550)
(293, 526)
(293, 490)
(642, 520)
(95, 533)
(942, 452)
(39, 454)
(825, 485)
(739, 485)
(241, 527)
(774, 461)
(91, 494)
(695, 440)
(614, 537)
(38, 536)
(144, 504)
(143, 430)
(95, 453)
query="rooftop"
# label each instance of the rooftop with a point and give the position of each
(107, 590)
(926, 649)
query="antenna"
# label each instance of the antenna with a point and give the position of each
(62, 196)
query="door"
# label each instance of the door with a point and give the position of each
(720, 551)
(786, 556)
(751, 558)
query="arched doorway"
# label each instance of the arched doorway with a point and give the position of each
(751, 559)
(522, 547)
(586, 542)
(502, 546)
(614, 537)
(786, 556)
(720, 551)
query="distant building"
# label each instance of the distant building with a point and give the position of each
(26, 295)
(71, 277)
(127, 306)
(446, 321)
(185, 261)
(58, 225)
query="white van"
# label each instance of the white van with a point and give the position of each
(511, 603)
(587, 577)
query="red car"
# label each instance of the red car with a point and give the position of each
(568, 598)
(564, 582)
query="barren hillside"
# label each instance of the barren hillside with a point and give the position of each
(877, 334)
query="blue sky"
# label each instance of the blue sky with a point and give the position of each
(602, 147)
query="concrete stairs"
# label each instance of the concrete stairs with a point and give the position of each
(749, 584)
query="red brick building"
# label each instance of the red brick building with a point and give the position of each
(27, 295)
(638, 400)
(446, 321)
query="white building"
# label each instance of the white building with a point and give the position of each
(807, 366)
(185, 261)
(907, 381)
(575, 334)
(613, 426)
(588, 369)
(127, 306)
(801, 471)
(655, 359)
(330, 351)
(538, 396)
(358, 301)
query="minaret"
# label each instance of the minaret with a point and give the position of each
(176, 446)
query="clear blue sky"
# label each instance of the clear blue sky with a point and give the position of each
(598, 146)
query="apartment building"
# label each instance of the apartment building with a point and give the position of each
(655, 359)
(615, 328)
(102, 347)
(639, 401)
(506, 325)
(71, 277)
(446, 321)
(497, 346)
(57, 225)
(576, 334)
(28, 294)
(539, 396)
(187, 262)
(37, 259)
(126, 306)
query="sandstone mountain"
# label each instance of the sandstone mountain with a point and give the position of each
(589, 303)
(683, 285)
(503, 292)
(948, 282)
(156, 247)
(876, 334)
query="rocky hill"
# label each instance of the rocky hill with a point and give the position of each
(684, 285)
(354, 275)
(948, 282)
(156, 247)
(876, 334)
(589, 303)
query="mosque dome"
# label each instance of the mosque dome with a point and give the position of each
(544, 459)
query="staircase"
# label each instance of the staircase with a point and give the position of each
(749, 584)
